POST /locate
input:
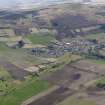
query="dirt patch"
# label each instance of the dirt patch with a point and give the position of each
(90, 66)
(76, 76)
(54, 97)
(69, 77)
(59, 77)
(16, 72)
(98, 99)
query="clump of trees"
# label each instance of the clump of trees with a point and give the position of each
(101, 83)
(102, 27)
(21, 43)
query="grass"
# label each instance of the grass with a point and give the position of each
(67, 58)
(60, 63)
(40, 39)
(4, 74)
(102, 52)
(73, 101)
(27, 90)
(5, 83)
(101, 80)
(20, 57)
(3, 47)
(99, 36)
(16, 94)
(97, 61)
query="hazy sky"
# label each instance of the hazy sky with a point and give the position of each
(9, 3)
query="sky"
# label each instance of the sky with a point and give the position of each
(11, 3)
(25, 3)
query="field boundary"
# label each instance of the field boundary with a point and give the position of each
(30, 100)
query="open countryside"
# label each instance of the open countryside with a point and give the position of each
(52, 54)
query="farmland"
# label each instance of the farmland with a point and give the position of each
(23, 92)
(99, 62)
(41, 39)
(74, 81)
(19, 57)
(100, 37)
(73, 101)
(59, 48)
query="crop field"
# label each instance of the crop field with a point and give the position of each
(74, 81)
(68, 79)
(14, 89)
(48, 51)
(19, 57)
(18, 94)
(97, 36)
(41, 39)
(99, 62)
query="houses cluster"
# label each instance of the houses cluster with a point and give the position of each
(75, 45)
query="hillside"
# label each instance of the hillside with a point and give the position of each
(64, 19)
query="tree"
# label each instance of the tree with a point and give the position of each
(21, 43)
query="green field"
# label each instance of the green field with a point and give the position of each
(97, 61)
(73, 101)
(101, 80)
(23, 92)
(99, 37)
(18, 56)
(5, 80)
(67, 58)
(17, 93)
(41, 39)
